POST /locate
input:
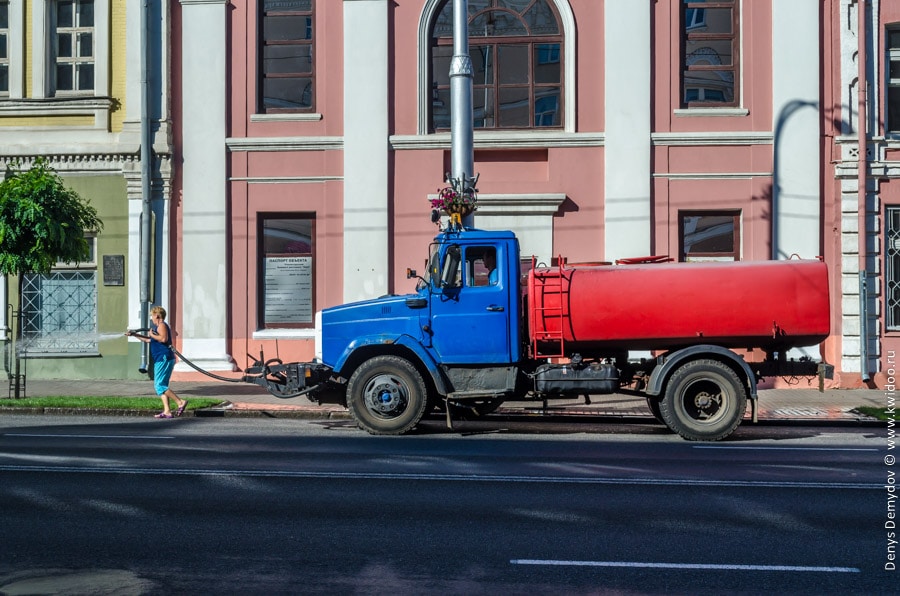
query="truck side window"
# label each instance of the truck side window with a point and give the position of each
(481, 266)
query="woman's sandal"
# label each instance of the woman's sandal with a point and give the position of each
(181, 408)
(163, 415)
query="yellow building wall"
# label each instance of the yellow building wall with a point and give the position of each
(117, 83)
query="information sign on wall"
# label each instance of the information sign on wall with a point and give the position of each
(289, 288)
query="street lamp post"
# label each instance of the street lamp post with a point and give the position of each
(462, 145)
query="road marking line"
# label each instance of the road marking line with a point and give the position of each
(763, 448)
(449, 477)
(163, 438)
(724, 567)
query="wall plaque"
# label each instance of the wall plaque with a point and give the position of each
(113, 270)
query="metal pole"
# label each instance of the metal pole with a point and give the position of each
(462, 144)
(862, 90)
(146, 173)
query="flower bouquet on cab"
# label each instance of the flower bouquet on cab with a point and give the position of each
(455, 203)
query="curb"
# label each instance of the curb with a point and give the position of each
(503, 414)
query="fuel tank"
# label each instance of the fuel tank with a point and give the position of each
(772, 305)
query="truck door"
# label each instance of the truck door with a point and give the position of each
(470, 307)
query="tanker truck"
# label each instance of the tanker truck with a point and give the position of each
(484, 326)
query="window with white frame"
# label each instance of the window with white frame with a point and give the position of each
(73, 47)
(69, 53)
(892, 121)
(59, 310)
(4, 48)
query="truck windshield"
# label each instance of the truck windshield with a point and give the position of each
(433, 274)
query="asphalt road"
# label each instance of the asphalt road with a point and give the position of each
(102, 505)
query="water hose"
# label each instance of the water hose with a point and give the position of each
(135, 333)
(282, 385)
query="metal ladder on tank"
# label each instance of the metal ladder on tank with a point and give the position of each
(551, 286)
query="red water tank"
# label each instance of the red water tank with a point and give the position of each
(773, 305)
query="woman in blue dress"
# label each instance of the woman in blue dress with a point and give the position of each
(160, 338)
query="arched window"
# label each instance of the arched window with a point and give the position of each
(517, 61)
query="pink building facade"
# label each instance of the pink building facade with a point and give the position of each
(309, 135)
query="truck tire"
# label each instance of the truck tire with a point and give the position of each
(386, 396)
(704, 400)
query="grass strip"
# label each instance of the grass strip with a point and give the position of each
(102, 403)
(879, 413)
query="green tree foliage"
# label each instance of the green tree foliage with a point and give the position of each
(41, 221)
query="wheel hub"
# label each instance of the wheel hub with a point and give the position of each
(384, 395)
(707, 403)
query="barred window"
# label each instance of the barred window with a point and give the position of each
(517, 63)
(59, 313)
(286, 63)
(73, 46)
(710, 53)
(892, 268)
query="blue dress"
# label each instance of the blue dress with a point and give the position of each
(163, 361)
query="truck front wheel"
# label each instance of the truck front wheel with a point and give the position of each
(704, 401)
(386, 396)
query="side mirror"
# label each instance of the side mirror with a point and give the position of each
(411, 273)
(450, 272)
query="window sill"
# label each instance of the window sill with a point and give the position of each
(714, 112)
(286, 117)
(285, 334)
(36, 355)
(61, 113)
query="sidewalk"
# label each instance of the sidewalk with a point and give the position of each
(237, 398)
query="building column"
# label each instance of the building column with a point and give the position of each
(795, 102)
(854, 320)
(627, 174)
(204, 245)
(366, 264)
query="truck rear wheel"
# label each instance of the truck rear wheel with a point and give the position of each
(386, 396)
(704, 400)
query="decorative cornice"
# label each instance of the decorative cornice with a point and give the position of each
(517, 204)
(284, 179)
(712, 138)
(712, 175)
(284, 143)
(84, 163)
(502, 140)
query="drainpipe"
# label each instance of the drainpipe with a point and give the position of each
(146, 173)
(462, 144)
(862, 169)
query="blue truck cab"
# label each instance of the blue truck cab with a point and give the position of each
(461, 328)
